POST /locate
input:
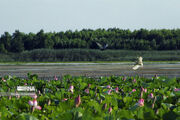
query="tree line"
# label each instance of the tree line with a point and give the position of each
(142, 39)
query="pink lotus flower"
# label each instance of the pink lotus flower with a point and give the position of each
(110, 110)
(55, 78)
(176, 89)
(133, 90)
(78, 101)
(116, 89)
(151, 95)
(71, 88)
(108, 86)
(86, 91)
(134, 80)
(141, 102)
(25, 83)
(34, 104)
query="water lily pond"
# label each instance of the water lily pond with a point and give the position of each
(87, 98)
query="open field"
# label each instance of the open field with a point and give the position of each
(48, 70)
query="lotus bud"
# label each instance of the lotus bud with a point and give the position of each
(39, 92)
(105, 106)
(157, 111)
(153, 105)
(141, 102)
(78, 101)
(133, 90)
(142, 89)
(25, 84)
(49, 102)
(89, 85)
(116, 89)
(55, 78)
(71, 88)
(10, 97)
(110, 110)
(145, 90)
(100, 101)
(154, 102)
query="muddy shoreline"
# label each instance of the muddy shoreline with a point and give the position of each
(48, 70)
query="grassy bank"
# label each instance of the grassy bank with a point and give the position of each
(88, 55)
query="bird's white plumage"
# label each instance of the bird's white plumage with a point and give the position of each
(138, 64)
(136, 67)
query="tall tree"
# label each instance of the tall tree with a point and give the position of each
(17, 44)
(6, 40)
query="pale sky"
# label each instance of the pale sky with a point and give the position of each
(61, 15)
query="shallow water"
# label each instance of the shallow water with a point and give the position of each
(48, 70)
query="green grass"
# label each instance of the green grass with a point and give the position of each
(88, 56)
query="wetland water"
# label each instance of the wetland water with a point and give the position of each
(48, 70)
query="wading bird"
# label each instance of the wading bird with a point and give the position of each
(138, 64)
(102, 47)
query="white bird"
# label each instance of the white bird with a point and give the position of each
(102, 47)
(138, 64)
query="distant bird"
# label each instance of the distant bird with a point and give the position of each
(138, 64)
(102, 47)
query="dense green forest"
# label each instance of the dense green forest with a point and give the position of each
(162, 39)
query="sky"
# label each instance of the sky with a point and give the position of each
(62, 15)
